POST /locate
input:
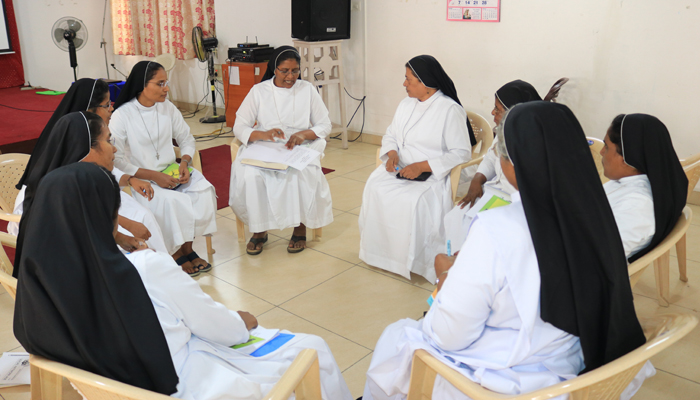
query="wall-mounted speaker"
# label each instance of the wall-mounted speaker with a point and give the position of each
(314, 20)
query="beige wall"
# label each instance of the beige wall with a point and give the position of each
(621, 56)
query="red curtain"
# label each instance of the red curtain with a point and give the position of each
(11, 71)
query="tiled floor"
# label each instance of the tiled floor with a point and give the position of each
(327, 291)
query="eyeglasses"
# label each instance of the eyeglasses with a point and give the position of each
(161, 84)
(111, 141)
(105, 106)
(287, 72)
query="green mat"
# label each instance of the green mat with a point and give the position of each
(51, 92)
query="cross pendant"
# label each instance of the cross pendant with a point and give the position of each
(157, 156)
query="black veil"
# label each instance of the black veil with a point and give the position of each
(429, 71)
(585, 288)
(79, 300)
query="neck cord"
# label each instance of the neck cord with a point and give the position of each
(405, 131)
(294, 105)
(149, 132)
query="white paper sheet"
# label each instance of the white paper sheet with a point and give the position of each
(14, 369)
(261, 336)
(234, 78)
(458, 220)
(276, 152)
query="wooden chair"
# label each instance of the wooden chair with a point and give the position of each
(484, 139)
(660, 256)
(691, 166)
(606, 382)
(314, 234)
(197, 164)
(12, 166)
(301, 378)
(596, 145)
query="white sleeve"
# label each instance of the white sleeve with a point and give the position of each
(117, 174)
(458, 316)
(634, 216)
(487, 167)
(390, 139)
(206, 318)
(181, 131)
(118, 129)
(246, 116)
(320, 122)
(455, 141)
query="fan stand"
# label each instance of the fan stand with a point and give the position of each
(214, 119)
(73, 59)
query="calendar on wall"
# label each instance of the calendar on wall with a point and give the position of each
(474, 10)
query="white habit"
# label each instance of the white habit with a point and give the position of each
(143, 138)
(490, 167)
(129, 209)
(401, 228)
(200, 331)
(485, 322)
(632, 205)
(265, 199)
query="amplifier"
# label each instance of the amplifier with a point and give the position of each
(250, 54)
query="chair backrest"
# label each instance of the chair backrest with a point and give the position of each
(482, 132)
(604, 383)
(692, 171)
(596, 145)
(12, 166)
(666, 245)
(9, 283)
(302, 378)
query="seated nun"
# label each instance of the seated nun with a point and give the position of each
(149, 325)
(531, 304)
(78, 136)
(648, 187)
(406, 198)
(136, 223)
(282, 108)
(489, 173)
(144, 125)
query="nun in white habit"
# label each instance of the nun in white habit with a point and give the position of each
(281, 108)
(401, 227)
(144, 125)
(648, 187)
(530, 306)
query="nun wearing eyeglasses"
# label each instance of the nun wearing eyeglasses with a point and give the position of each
(286, 109)
(144, 125)
(401, 220)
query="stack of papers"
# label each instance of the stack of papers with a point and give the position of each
(276, 156)
(14, 369)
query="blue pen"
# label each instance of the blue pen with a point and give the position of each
(449, 248)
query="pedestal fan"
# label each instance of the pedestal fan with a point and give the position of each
(70, 34)
(204, 48)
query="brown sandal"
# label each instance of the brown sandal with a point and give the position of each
(294, 241)
(256, 242)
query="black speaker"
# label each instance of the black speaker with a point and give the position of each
(314, 20)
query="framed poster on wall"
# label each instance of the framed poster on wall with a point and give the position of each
(5, 45)
(474, 10)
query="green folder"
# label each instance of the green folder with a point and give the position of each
(174, 170)
(495, 202)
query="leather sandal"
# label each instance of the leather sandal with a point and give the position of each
(294, 241)
(255, 242)
(183, 260)
(193, 256)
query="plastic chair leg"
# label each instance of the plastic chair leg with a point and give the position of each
(240, 230)
(681, 254)
(662, 281)
(210, 250)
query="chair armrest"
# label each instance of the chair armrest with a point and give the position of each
(455, 173)
(8, 240)
(302, 377)
(10, 217)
